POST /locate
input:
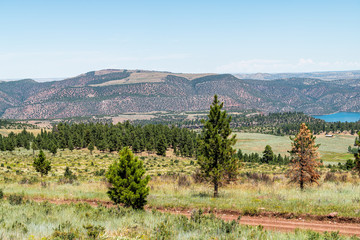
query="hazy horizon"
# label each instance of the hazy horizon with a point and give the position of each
(49, 79)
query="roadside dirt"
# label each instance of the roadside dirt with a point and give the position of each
(269, 220)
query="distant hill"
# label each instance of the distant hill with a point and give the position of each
(328, 76)
(115, 91)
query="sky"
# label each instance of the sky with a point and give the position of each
(51, 39)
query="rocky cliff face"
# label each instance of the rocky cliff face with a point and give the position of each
(116, 91)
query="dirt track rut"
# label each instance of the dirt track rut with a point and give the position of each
(270, 223)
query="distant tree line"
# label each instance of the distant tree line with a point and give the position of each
(107, 137)
(268, 157)
(280, 124)
(12, 124)
(288, 124)
(13, 141)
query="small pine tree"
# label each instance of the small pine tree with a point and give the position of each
(268, 155)
(34, 147)
(42, 165)
(128, 184)
(70, 145)
(91, 147)
(10, 143)
(357, 154)
(304, 158)
(215, 147)
(69, 175)
(2, 144)
(53, 148)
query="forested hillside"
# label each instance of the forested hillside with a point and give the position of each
(116, 91)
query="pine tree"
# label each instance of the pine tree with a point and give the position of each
(53, 148)
(128, 184)
(215, 147)
(357, 154)
(304, 158)
(34, 147)
(102, 145)
(268, 155)
(136, 145)
(42, 165)
(239, 154)
(69, 176)
(10, 142)
(161, 146)
(2, 144)
(70, 145)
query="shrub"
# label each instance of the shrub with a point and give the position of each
(343, 178)
(100, 172)
(163, 231)
(69, 177)
(183, 181)
(1, 194)
(262, 177)
(93, 232)
(250, 211)
(19, 226)
(126, 175)
(65, 232)
(330, 177)
(16, 199)
(197, 177)
(30, 180)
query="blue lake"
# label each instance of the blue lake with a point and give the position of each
(340, 116)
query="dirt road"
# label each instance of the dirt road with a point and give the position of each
(270, 223)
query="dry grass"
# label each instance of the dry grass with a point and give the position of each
(5, 132)
(149, 76)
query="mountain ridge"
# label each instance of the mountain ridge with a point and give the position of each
(114, 91)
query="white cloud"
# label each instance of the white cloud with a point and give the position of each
(274, 66)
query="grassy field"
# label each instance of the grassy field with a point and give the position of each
(252, 195)
(260, 188)
(331, 149)
(43, 221)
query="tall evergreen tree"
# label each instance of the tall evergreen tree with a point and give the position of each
(11, 142)
(2, 144)
(215, 147)
(70, 145)
(128, 184)
(304, 158)
(161, 146)
(268, 155)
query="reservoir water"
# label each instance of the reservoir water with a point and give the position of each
(340, 116)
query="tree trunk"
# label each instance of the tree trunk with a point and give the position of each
(301, 185)
(301, 180)
(216, 187)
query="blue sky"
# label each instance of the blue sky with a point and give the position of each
(64, 38)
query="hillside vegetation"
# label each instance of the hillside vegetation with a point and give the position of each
(109, 92)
